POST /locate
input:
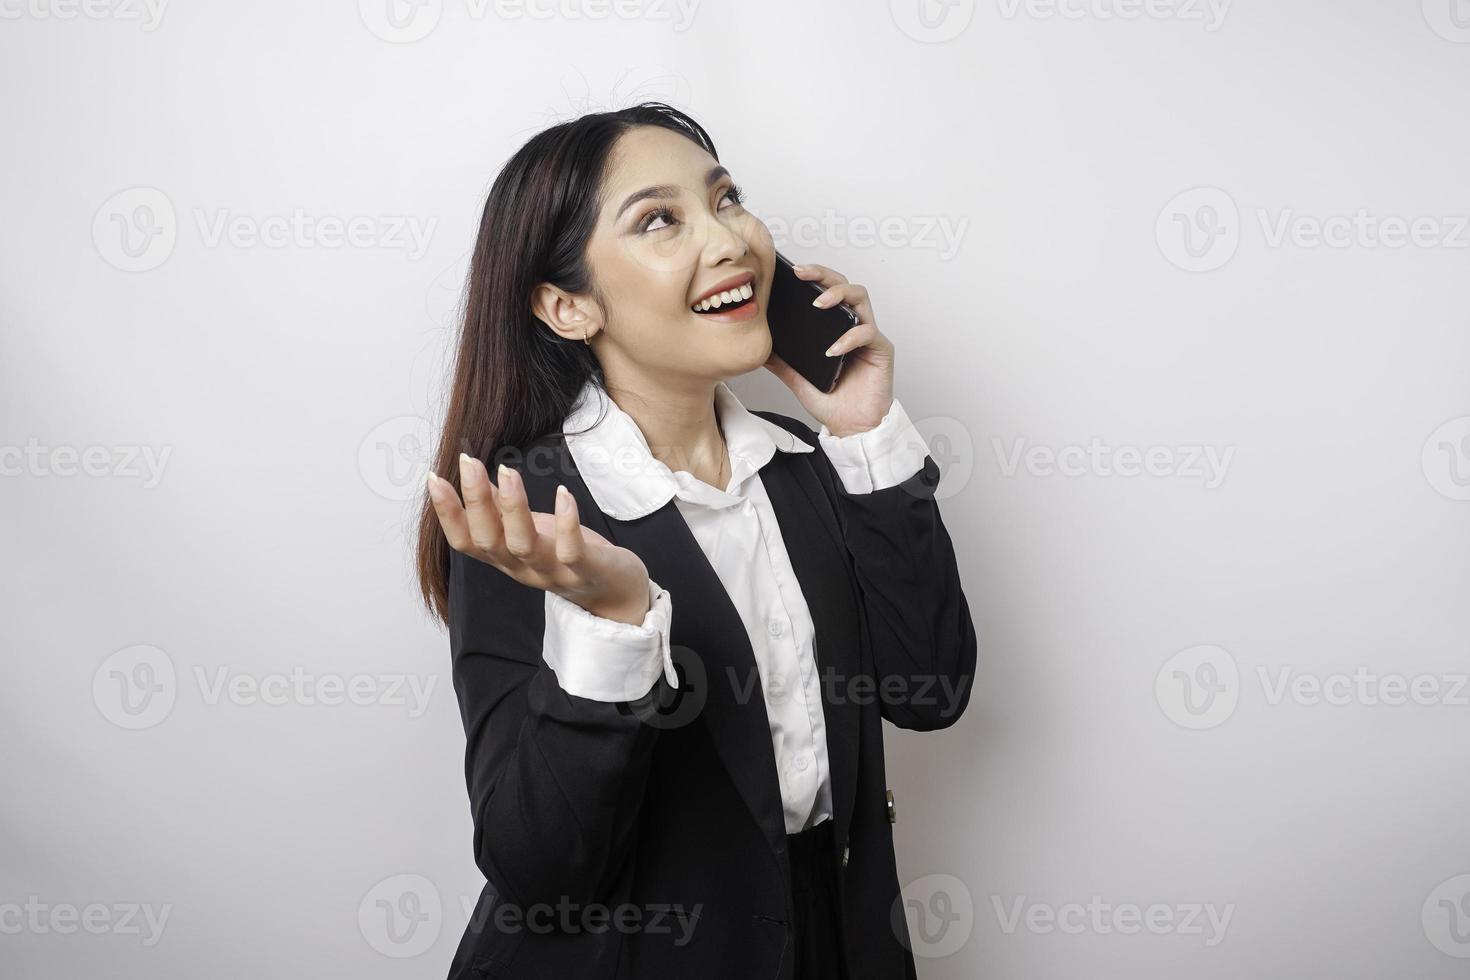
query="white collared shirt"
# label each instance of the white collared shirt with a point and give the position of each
(736, 528)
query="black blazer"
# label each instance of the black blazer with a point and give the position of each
(645, 840)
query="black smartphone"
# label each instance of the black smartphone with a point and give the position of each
(801, 332)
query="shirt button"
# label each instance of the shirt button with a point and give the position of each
(775, 627)
(801, 763)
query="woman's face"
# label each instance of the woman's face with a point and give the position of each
(670, 230)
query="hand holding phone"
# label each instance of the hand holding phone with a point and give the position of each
(801, 332)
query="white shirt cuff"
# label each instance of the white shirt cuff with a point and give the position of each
(877, 458)
(606, 660)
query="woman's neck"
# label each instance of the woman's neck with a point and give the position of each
(680, 425)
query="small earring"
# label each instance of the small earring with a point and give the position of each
(585, 340)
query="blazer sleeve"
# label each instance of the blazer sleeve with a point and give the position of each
(556, 780)
(923, 637)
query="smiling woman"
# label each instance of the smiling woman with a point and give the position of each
(675, 624)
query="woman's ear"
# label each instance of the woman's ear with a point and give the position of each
(564, 313)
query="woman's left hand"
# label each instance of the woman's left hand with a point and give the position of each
(864, 392)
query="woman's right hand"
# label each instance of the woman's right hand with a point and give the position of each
(554, 552)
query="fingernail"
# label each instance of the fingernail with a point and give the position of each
(466, 470)
(563, 497)
(831, 350)
(506, 473)
(432, 481)
(822, 300)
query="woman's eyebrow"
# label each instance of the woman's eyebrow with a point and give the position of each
(666, 191)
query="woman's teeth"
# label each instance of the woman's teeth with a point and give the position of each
(730, 296)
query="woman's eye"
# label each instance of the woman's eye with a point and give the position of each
(664, 213)
(733, 194)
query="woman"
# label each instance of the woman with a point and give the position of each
(676, 625)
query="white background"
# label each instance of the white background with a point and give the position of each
(284, 389)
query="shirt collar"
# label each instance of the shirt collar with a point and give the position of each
(628, 481)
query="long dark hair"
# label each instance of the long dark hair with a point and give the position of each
(515, 380)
